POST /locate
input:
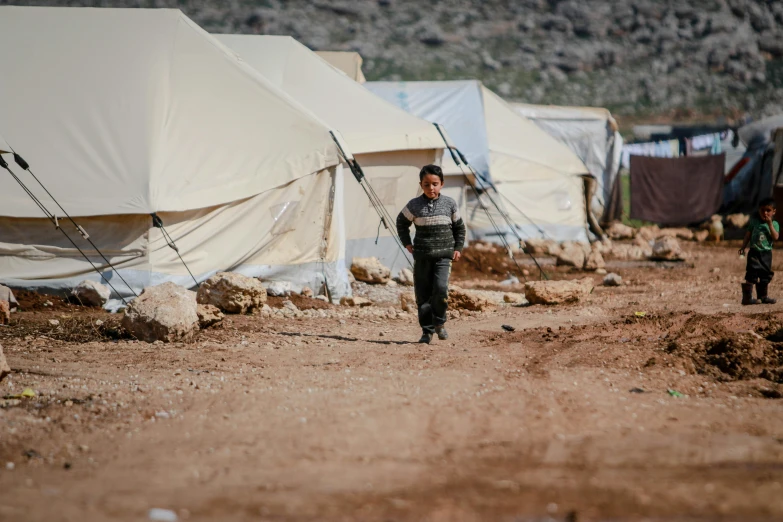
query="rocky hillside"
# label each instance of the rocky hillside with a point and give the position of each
(638, 57)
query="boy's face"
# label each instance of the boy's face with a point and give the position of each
(431, 185)
(766, 212)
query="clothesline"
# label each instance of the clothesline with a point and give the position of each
(676, 148)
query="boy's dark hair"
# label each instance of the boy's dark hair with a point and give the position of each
(768, 202)
(431, 169)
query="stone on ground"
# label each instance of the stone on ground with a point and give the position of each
(625, 252)
(5, 312)
(408, 302)
(679, 233)
(306, 292)
(208, 315)
(648, 233)
(514, 299)
(279, 289)
(460, 299)
(232, 293)
(91, 293)
(737, 220)
(613, 280)
(557, 292)
(571, 255)
(594, 261)
(536, 246)
(667, 249)
(618, 230)
(370, 270)
(289, 305)
(405, 277)
(166, 312)
(353, 300)
(4, 368)
(701, 235)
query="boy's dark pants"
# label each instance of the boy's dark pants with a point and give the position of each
(759, 267)
(431, 284)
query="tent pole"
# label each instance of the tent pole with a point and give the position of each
(53, 219)
(510, 224)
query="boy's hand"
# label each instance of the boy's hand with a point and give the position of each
(457, 255)
(409, 248)
(742, 252)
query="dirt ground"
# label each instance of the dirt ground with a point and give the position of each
(656, 400)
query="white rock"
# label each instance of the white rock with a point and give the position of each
(166, 312)
(667, 248)
(408, 302)
(405, 277)
(613, 280)
(232, 293)
(618, 230)
(54, 322)
(370, 270)
(556, 292)
(306, 292)
(322, 298)
(510, 280)
(288, 304)
(162, 515)
(514, 299)
(279, 289)
(391, 283)
(594, 261)
(90, 293)
(350, 300)
(571, 255)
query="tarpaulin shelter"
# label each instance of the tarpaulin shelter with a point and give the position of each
(123, 113)
(348, 62)
(751, 179)
(676, 191)
(593, 135)
(538, 178)
(390, 144)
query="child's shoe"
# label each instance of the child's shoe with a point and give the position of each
(747, 294)
(761, 292)
(442, 333)
(426, 337)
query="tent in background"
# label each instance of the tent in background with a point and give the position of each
(751, 179)
(348, 62)
(593, 135)
(390, 144)
(538, 178)
(127, 112)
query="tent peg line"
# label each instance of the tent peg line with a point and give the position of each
(158, 223)
(53, 219)
(459, 161)
(385, 219)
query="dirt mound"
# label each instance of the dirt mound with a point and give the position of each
(82, 329)
(35, 302)
(484, 261)
(726, 350)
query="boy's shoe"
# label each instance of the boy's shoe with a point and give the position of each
(747, 294)
(761, 292)
(442, 333)
(425, 338)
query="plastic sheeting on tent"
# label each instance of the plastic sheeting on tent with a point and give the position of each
(126, 112)
(348, 62)
(390, 144)
(592, 134)
(538, 178)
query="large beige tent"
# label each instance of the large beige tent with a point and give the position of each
(592, 134)
(390, 144)
(348, 62)
(539, 179)
(127, 112)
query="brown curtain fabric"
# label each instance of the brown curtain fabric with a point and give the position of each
(676, 191)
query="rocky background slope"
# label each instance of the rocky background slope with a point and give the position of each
(638, 57)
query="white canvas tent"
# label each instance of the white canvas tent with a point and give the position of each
(390, 144)
(127, 112)
(348, 62)
(592, 134)
(538, 178)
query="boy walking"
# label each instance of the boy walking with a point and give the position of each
(440, 237)
(762, 231)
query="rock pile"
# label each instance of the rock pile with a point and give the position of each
(558, 292)
(165, 313)
(90, 293)
(232, 293)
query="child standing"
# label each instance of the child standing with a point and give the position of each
(762, 231)
(440, 236)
